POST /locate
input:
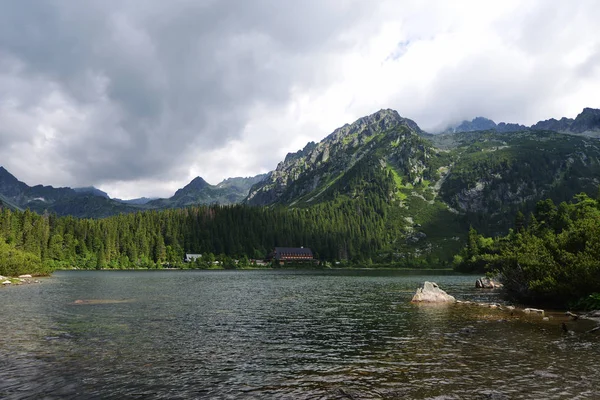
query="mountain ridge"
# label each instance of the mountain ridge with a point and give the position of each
(586, 122)
(95, 203)
(380, 143)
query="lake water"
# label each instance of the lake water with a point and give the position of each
(280, 335)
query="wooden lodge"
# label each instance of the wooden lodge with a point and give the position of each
(291, 254)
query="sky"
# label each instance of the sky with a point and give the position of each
(138, 97)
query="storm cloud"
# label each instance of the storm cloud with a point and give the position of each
(138, 97)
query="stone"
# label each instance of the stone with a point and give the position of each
(487, 283)
(533, 311)
(25, 276)
(431, 293)
(6, 282)
(593, 314)
(573, 316)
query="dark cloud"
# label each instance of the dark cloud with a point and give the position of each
(147, 92)
(148, 82)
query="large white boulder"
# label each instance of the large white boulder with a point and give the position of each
(431, 293)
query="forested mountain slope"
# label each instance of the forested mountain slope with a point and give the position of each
(379, 190)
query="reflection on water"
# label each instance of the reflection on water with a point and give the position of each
(279, 334)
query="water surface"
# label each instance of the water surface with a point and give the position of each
(279, 334)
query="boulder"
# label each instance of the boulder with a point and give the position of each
(487, 283)
(6, 282)
(25, 276)
(431, 293)
(593, 314)
(533, 311)
(573, 316)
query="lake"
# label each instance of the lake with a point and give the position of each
(280, 334)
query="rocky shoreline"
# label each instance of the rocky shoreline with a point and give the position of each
(588, 322)
(19, 280)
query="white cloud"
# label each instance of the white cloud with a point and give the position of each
(138, 97)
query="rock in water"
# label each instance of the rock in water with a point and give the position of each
(25, 276)
(487, 283)
(431, 293)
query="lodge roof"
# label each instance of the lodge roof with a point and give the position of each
(295, 250)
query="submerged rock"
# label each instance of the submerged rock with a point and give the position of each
(487, 283)
(431, 293)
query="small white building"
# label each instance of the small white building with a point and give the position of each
(189, 257)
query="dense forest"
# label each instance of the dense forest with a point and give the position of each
(343, 229)
(551, 258)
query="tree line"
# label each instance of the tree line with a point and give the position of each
(551, 258)
(341, 229)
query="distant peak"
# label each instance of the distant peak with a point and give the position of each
(4, 172)
(476, 124)
(198, 182)
(589, 109)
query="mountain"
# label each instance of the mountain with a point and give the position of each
(90, 202)
(9, 185)
(431, 188)
(81, 202)
(139, 201)
(483, 124)
(315, 172)
(198, 191)
(93, 191)
(587, 123)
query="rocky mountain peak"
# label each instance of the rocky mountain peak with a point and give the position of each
(484, 124)
(381, 121)
(9, 185)
(197, 184)
(588, 120)
(319, 163)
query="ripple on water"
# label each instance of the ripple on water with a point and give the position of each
(280, 334)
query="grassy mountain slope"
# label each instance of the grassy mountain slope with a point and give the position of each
(496, 174)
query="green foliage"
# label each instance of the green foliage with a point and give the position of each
(510, 172)
(591, 302)
(14, 262)
(554, 261)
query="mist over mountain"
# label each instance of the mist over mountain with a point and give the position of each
(586, 123)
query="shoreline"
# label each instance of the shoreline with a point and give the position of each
(26, 279)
